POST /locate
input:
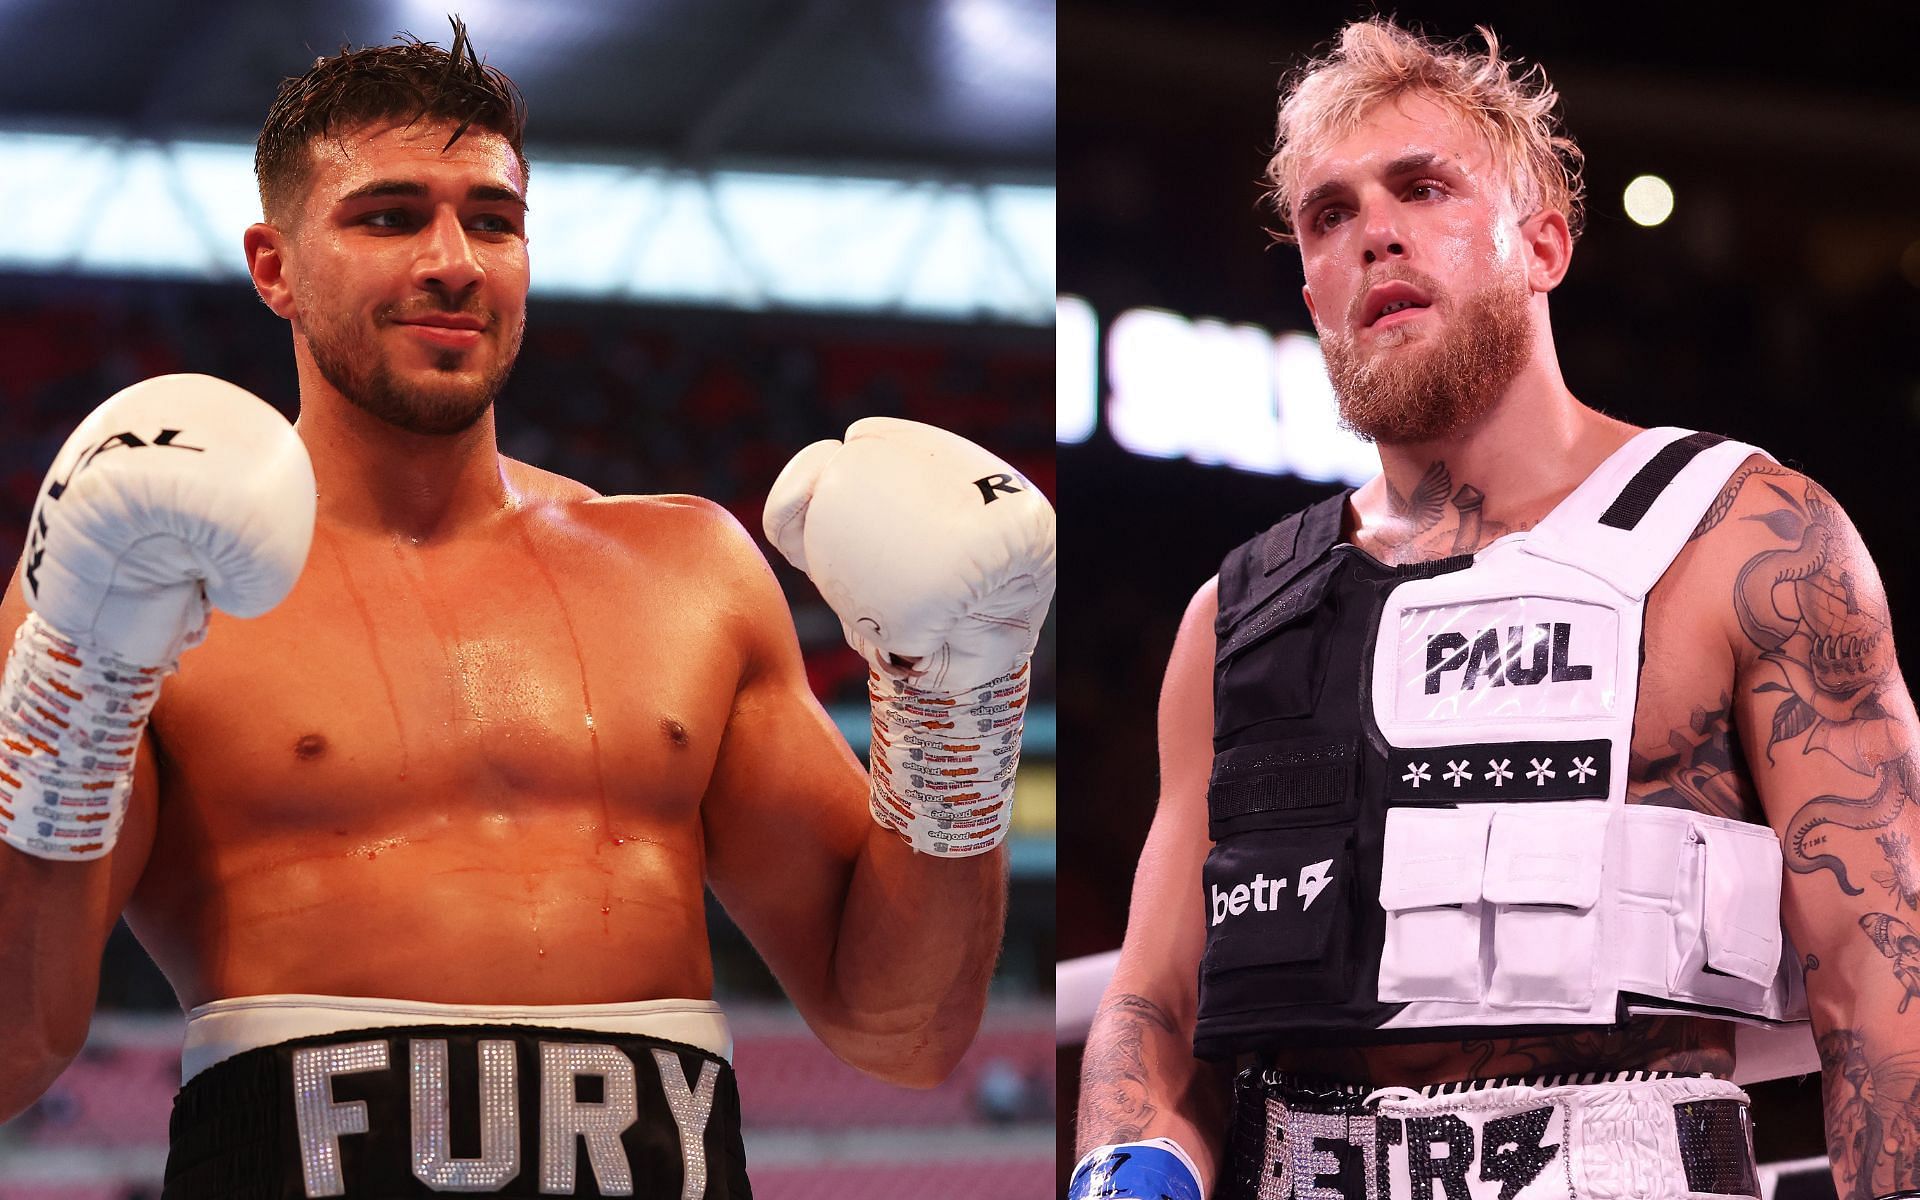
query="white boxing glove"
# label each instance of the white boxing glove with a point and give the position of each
(177, 492)
(938, 559)
(926, 546)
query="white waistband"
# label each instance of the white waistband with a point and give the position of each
(1500, 1096)
(224, 1028)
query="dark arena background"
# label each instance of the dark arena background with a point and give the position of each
(1777, 303)
(752, 223)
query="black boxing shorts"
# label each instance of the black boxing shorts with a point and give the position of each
(424, 1107)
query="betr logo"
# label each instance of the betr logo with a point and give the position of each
(1485, 660)
(1264, 893)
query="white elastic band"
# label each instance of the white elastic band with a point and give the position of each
(223, 1028)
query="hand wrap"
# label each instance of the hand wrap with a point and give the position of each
(942, 766)
(70, 722)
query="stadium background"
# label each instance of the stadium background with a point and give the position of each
(763, 221)
(1777, 305)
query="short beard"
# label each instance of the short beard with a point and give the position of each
(1409, 394)
(350, 358)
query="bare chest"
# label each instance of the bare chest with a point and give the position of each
(394, 683)
(1688, 750)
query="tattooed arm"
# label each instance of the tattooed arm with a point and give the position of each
(1139, 1078)
(1831, 740)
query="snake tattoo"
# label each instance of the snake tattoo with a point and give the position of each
(1798, 605)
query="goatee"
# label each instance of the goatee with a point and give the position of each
(1405, 392)
(351, 358)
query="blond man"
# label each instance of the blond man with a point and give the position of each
(1496, 793)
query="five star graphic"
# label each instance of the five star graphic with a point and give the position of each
(1499, 771)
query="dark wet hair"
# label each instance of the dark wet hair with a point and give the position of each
(408, 81)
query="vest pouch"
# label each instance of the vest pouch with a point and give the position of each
(1291, 782)
(1543, 881)
(1653, 859)
(1270, 666)
(1432, 862)
(1733, 959)
(1280, 916)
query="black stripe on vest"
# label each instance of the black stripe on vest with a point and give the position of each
(1645, 487)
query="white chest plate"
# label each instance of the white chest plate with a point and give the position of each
(1517, 658)
(1514, 648)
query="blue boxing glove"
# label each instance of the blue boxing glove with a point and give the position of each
(1156, 1169)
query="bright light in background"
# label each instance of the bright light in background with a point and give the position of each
(1076, 363)
(1016, 36)
(1648, 199)
(503, 31)
(107, 205)
(1214, 393)
(999, 56)
(1146, 353)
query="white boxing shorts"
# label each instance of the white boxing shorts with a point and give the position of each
(1637, 1135)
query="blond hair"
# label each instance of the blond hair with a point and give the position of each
(1377, 61)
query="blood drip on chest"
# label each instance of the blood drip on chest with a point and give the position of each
(586, 693)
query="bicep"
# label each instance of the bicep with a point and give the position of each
(1165, 934)
(1830, 731)
(785, 813)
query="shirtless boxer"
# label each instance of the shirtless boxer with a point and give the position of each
(1461, 862)
(463, 786)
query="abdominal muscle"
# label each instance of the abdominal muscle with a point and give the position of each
(1681, 1045)
(477, 909)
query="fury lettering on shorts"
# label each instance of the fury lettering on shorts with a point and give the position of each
(1326, 1156)
(563, 1123)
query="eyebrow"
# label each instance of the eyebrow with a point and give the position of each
(1406, 164)
(484, 193)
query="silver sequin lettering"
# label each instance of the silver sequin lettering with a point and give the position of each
(691, 1108)
(322, 1121)
(563, 1117)
(433, 1161)
(1310, 1161)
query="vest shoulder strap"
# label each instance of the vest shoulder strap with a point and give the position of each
(1631, 517)
(1259, 569)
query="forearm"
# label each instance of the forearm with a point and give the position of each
(1871, 1143)
(1139, 1079)
(49, 968)
(916, 945)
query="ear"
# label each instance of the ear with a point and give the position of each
(266, 249)
(1306, 294)
(1548, 248)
